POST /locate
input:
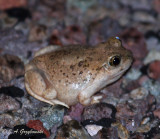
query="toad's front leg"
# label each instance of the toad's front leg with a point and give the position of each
(86, 96)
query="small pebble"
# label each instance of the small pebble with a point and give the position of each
(143, 79)
(156, 5)
(80, 4)
(75, 111)
(93, 129)
(73, 35)
(153, 43)
(7, 22)
(123, 133)
(133, 74)
(110, 100)
(97, 32)
(8, 103)
(10, 120)
(153, 87)
(38, 125)
(66, 118)
(137, 4)
(129, 85)
(6, 73)
(154, 70)
(152, 56)
(54, 40)
(10, 66)
(143, 128)
(37, 33)
(72, 130)
(107, 133)
(145, 120)
(52, 116)
(113, 90)
(157, 113)
(6, 4)
(97, 99)
(143, 17)
(98, 111)
(139, 93)
(134, 41)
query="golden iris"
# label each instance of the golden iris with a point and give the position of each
(115, 61)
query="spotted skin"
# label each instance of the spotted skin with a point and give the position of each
(75, 73)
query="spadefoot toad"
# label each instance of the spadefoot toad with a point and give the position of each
(70, 74)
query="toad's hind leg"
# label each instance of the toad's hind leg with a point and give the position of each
(39, 87)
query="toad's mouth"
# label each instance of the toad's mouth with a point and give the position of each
(120, 73)
(117, 76)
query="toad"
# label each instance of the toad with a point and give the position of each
(70, 74)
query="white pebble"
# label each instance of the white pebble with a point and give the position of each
(93, 129)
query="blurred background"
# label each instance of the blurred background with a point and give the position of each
(32, 24)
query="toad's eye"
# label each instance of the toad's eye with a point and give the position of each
(115, 61)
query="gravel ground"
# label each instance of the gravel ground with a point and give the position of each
(130, 108)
